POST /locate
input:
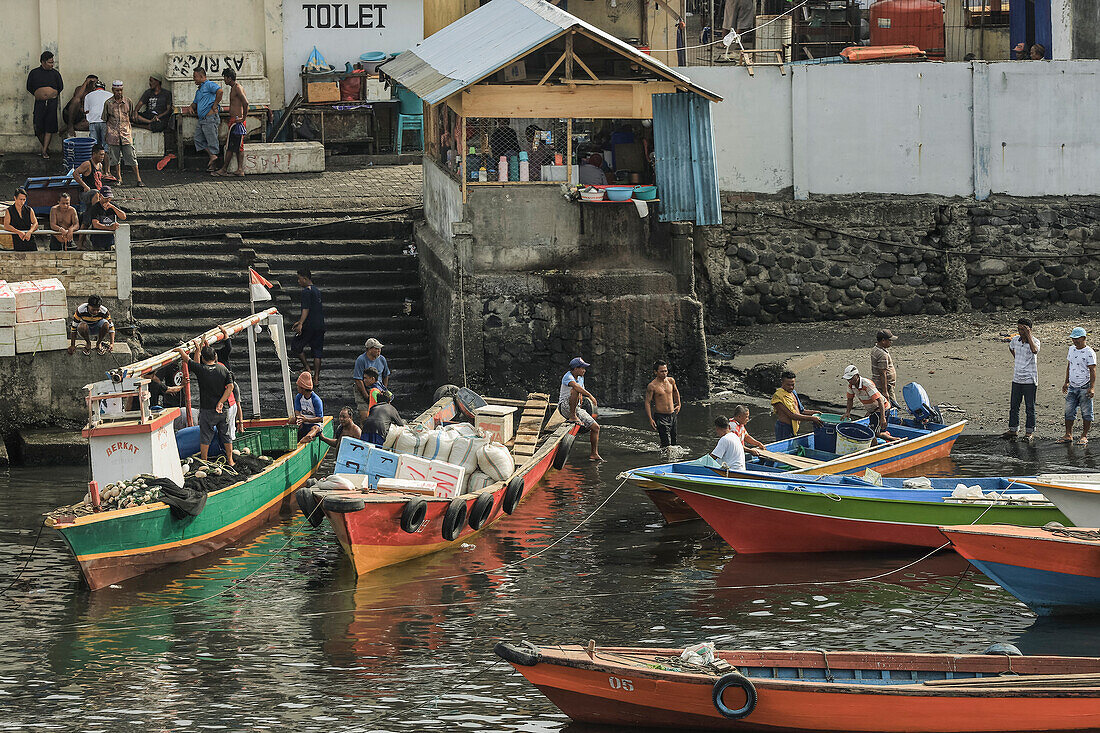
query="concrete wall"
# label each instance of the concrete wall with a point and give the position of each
(1086, 29)
(123, 39)
(442, 200)
(47, 388)
(1022, 129)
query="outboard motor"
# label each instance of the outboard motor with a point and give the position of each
(918, 402)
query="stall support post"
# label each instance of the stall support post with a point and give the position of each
(465, 153)
(568, 151)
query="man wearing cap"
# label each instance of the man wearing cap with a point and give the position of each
(1024, 348)
(93, 112)
(569, 403)
(105, 216)
(309, 410)
(869, 396)
(1080, 385)
(371, 358)
(883, 373)
(117, 112)
(154, 109)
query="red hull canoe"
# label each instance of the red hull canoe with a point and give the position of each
(849, 692)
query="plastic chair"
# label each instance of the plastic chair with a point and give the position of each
(410, 117)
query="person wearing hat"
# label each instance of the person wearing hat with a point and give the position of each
(869, 396)
(569, 403)
(93, 112)
(117, 112)
(309, 410)
(154, 109)
(105, 216)
(215, 390)
(1080, 385)
(370, 359)
(883, 373)
(1024, 347)
(788, 410)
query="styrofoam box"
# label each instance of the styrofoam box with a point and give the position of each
(495, 421)
(7, 306)
(359, 481)
(34, 297)
(450, 479)
(407, 485)
(413, 467)
(7, 341)
(41, 336)
(353, 456)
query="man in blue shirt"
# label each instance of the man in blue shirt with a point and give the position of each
(309, 411)
(310, 327)
(372, 357)
(205, 107)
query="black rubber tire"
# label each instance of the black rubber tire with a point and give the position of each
(413, 515)
(527, 656)
(308, 503)
(734, 679)
(512, 495)
(561, 455)
(455, 519)
(481, 510)
(447, 390)
(342, 503)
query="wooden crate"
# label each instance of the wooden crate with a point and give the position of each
(322, 91)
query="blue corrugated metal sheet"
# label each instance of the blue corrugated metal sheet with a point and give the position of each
(685, 159)
(491, 37)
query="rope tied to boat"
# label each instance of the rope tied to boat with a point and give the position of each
(828, 670)
(1070, 533)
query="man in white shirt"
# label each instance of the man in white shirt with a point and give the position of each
(1080, 386)
(729, 452)
(1024, 348)
(93, 111)
(569, 403)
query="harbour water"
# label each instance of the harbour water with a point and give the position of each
(278, 633)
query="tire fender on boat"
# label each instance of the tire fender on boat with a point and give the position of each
(343, 503)
(734, 679)
(446, 390)
(309, 505)
(561, 454)
(512, 495)
(455, 518)
(480, 511)
(526, 655)
(413, 515)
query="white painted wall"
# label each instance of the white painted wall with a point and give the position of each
(955, 129)
(379, 25)
(442, 200)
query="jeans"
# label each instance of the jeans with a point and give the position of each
(1025, 392)
(666, 428)
(783, 430)
(206, 135)
(98, 131)
(1078, 397)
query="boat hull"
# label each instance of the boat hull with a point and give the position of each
(1052, 575)
(1079, 503)
(632, 696)
(372, 536)
(779, 520)
(111, 547)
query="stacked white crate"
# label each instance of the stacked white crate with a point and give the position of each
(40, 316)
(7, 320)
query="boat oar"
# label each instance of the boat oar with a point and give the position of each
(1031, 680)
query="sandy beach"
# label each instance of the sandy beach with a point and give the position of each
(961, 359)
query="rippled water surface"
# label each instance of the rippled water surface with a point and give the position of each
(278, 632)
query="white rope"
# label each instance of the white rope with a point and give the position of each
(736, 36)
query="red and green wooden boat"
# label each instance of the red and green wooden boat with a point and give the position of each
(810, 691)
(846, 514)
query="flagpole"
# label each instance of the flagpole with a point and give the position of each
(252, 368)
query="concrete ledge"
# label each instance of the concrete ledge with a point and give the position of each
(51, 447)
(297, 157)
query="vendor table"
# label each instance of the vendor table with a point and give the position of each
(358, 122)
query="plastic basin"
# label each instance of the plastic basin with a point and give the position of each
(645, 193)
(371, 59)
(619, 193)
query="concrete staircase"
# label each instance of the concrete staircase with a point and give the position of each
(369, 288)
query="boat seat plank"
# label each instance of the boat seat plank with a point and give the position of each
(789, 460)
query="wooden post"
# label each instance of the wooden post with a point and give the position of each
(569, 57)
(186, 390)
(569, 151)
(465, 156)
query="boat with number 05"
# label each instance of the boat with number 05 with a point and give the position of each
(817, 690)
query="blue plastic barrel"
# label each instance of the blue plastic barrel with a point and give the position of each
(76, 150)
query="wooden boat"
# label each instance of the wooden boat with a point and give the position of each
(1054, 570)
(827, 514)
(372, 535)
(111, 546)
(917, 445)
(1077, 495)
(796, 691)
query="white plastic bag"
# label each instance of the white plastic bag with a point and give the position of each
(495, 460)
(919, 482)
(335, 483)
(962, 491)
(700, 654)
(464, 451)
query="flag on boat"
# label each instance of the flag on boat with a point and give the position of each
(258, 287)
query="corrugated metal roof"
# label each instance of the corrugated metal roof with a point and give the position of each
(491, 37)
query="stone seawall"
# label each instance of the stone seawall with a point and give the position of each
(842, 257)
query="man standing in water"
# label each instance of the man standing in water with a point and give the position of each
(662, 404)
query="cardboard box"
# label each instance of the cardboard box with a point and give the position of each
(512, 73)
(7, 341)
(41, 336)
(407, 486)
(450, 480)
(374, 90)
(7, 306)
(322, 91)
(495, 421)
(39, 300)
(414, 468)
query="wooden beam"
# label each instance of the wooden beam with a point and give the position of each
(599, 101)
(569, 57)
(586, 69)
(552, 68)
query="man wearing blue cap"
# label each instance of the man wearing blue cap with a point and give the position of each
(1080, 385)
(569, 403)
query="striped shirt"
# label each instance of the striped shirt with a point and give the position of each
(868, 395)
(739, 429)
(86, 314)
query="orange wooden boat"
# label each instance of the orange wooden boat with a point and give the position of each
(854, 692)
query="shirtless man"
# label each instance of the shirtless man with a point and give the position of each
(662, 403)
(44, 83)
(73, 114)
(64, 222)
(238, 106)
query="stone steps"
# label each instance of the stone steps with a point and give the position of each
(197, 278)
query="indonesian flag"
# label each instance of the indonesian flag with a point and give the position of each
(258, 286)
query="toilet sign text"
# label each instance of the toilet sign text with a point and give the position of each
(344, 15)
